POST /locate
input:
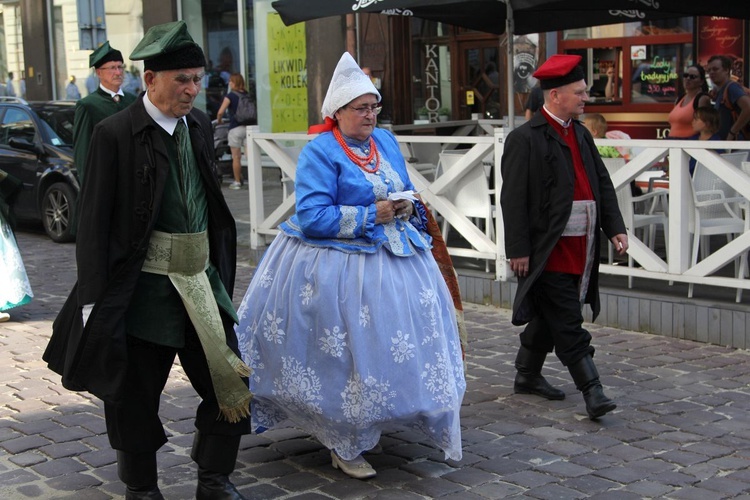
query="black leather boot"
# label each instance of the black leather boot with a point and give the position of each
(216, 456)
(586, 378)
(138, 472)
(529, 379)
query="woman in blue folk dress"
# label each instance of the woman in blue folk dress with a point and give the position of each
(15, 289)
(348, 324)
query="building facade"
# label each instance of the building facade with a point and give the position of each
(426, 71)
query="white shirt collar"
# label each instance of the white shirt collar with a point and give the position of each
(168, 123)
(105, 89)
(558, 120)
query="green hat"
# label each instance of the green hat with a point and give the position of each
(103, 54)
(168, 46)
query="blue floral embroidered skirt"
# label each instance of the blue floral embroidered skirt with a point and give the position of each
(346, 345)
(15, 289)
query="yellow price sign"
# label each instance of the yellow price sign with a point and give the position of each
(469, 97)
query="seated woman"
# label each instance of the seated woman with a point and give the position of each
(706, 128)
(348, 324)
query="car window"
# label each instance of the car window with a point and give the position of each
(16, 124)
(55, 139)
(60, 121)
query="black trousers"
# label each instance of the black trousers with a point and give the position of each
(558, 324)
(134, 425)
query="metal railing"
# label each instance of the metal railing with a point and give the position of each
(675, 265)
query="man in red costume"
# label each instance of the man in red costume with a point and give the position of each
(556, 197)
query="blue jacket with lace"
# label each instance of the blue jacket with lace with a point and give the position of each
(336, 199)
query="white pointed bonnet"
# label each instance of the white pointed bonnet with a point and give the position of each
(348, 83)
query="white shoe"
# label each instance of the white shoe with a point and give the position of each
(4, 316)
(235, 185)
(358, 468)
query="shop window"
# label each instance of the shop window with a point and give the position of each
(124, 31)
(216, 25)
(655, 72)
(671, 26)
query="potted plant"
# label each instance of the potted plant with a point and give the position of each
(443, 114)
(423, 113)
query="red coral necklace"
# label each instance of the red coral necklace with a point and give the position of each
(363, 163)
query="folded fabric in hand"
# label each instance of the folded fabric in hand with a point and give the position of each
(403, 195)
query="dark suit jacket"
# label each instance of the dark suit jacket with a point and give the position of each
(537, 197)
(89, 111)
(119, 207)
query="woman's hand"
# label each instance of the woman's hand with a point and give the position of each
(386, 211)
(404, 209)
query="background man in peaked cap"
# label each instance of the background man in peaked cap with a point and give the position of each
(556, 196)
(156, 259)
(107, 100)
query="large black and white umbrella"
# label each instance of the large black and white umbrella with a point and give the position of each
(515, 16)
(527, 16)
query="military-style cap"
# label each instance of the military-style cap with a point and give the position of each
(103, 54)
(168, 46)
(559, 70)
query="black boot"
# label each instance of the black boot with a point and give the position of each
(215, 456)
(586, 379)
(529, 379)
(138, 472)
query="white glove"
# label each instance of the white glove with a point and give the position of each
(86, 312)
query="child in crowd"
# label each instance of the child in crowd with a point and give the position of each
(706, 128)
(597, 125)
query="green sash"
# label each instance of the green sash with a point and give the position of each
(183, 257)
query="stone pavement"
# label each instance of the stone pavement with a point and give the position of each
(681, 429)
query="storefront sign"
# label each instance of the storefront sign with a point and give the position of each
(723, 36)
(287, 75)
(640, 129)
(432, 81)
(656, 79)
(638, 52)
(525, 55)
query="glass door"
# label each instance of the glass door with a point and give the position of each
(479, 82)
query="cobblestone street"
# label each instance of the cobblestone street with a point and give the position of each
(681, 429)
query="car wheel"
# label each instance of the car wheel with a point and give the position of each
(58, 209)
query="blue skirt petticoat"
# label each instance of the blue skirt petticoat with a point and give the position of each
(15, 289)
(347, 345)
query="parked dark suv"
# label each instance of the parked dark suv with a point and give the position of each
(36, 146)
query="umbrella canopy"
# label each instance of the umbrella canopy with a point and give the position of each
(457, 12)
(529, 16)
(517, 17)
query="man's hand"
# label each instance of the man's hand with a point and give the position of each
(520, 266)
(620, 242)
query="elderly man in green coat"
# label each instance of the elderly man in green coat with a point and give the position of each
(106, 101)
(156, 254)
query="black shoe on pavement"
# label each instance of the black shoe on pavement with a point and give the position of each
(537, 385)
(529, 378)
(586, 378)
(216, 486)
(143, 493)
